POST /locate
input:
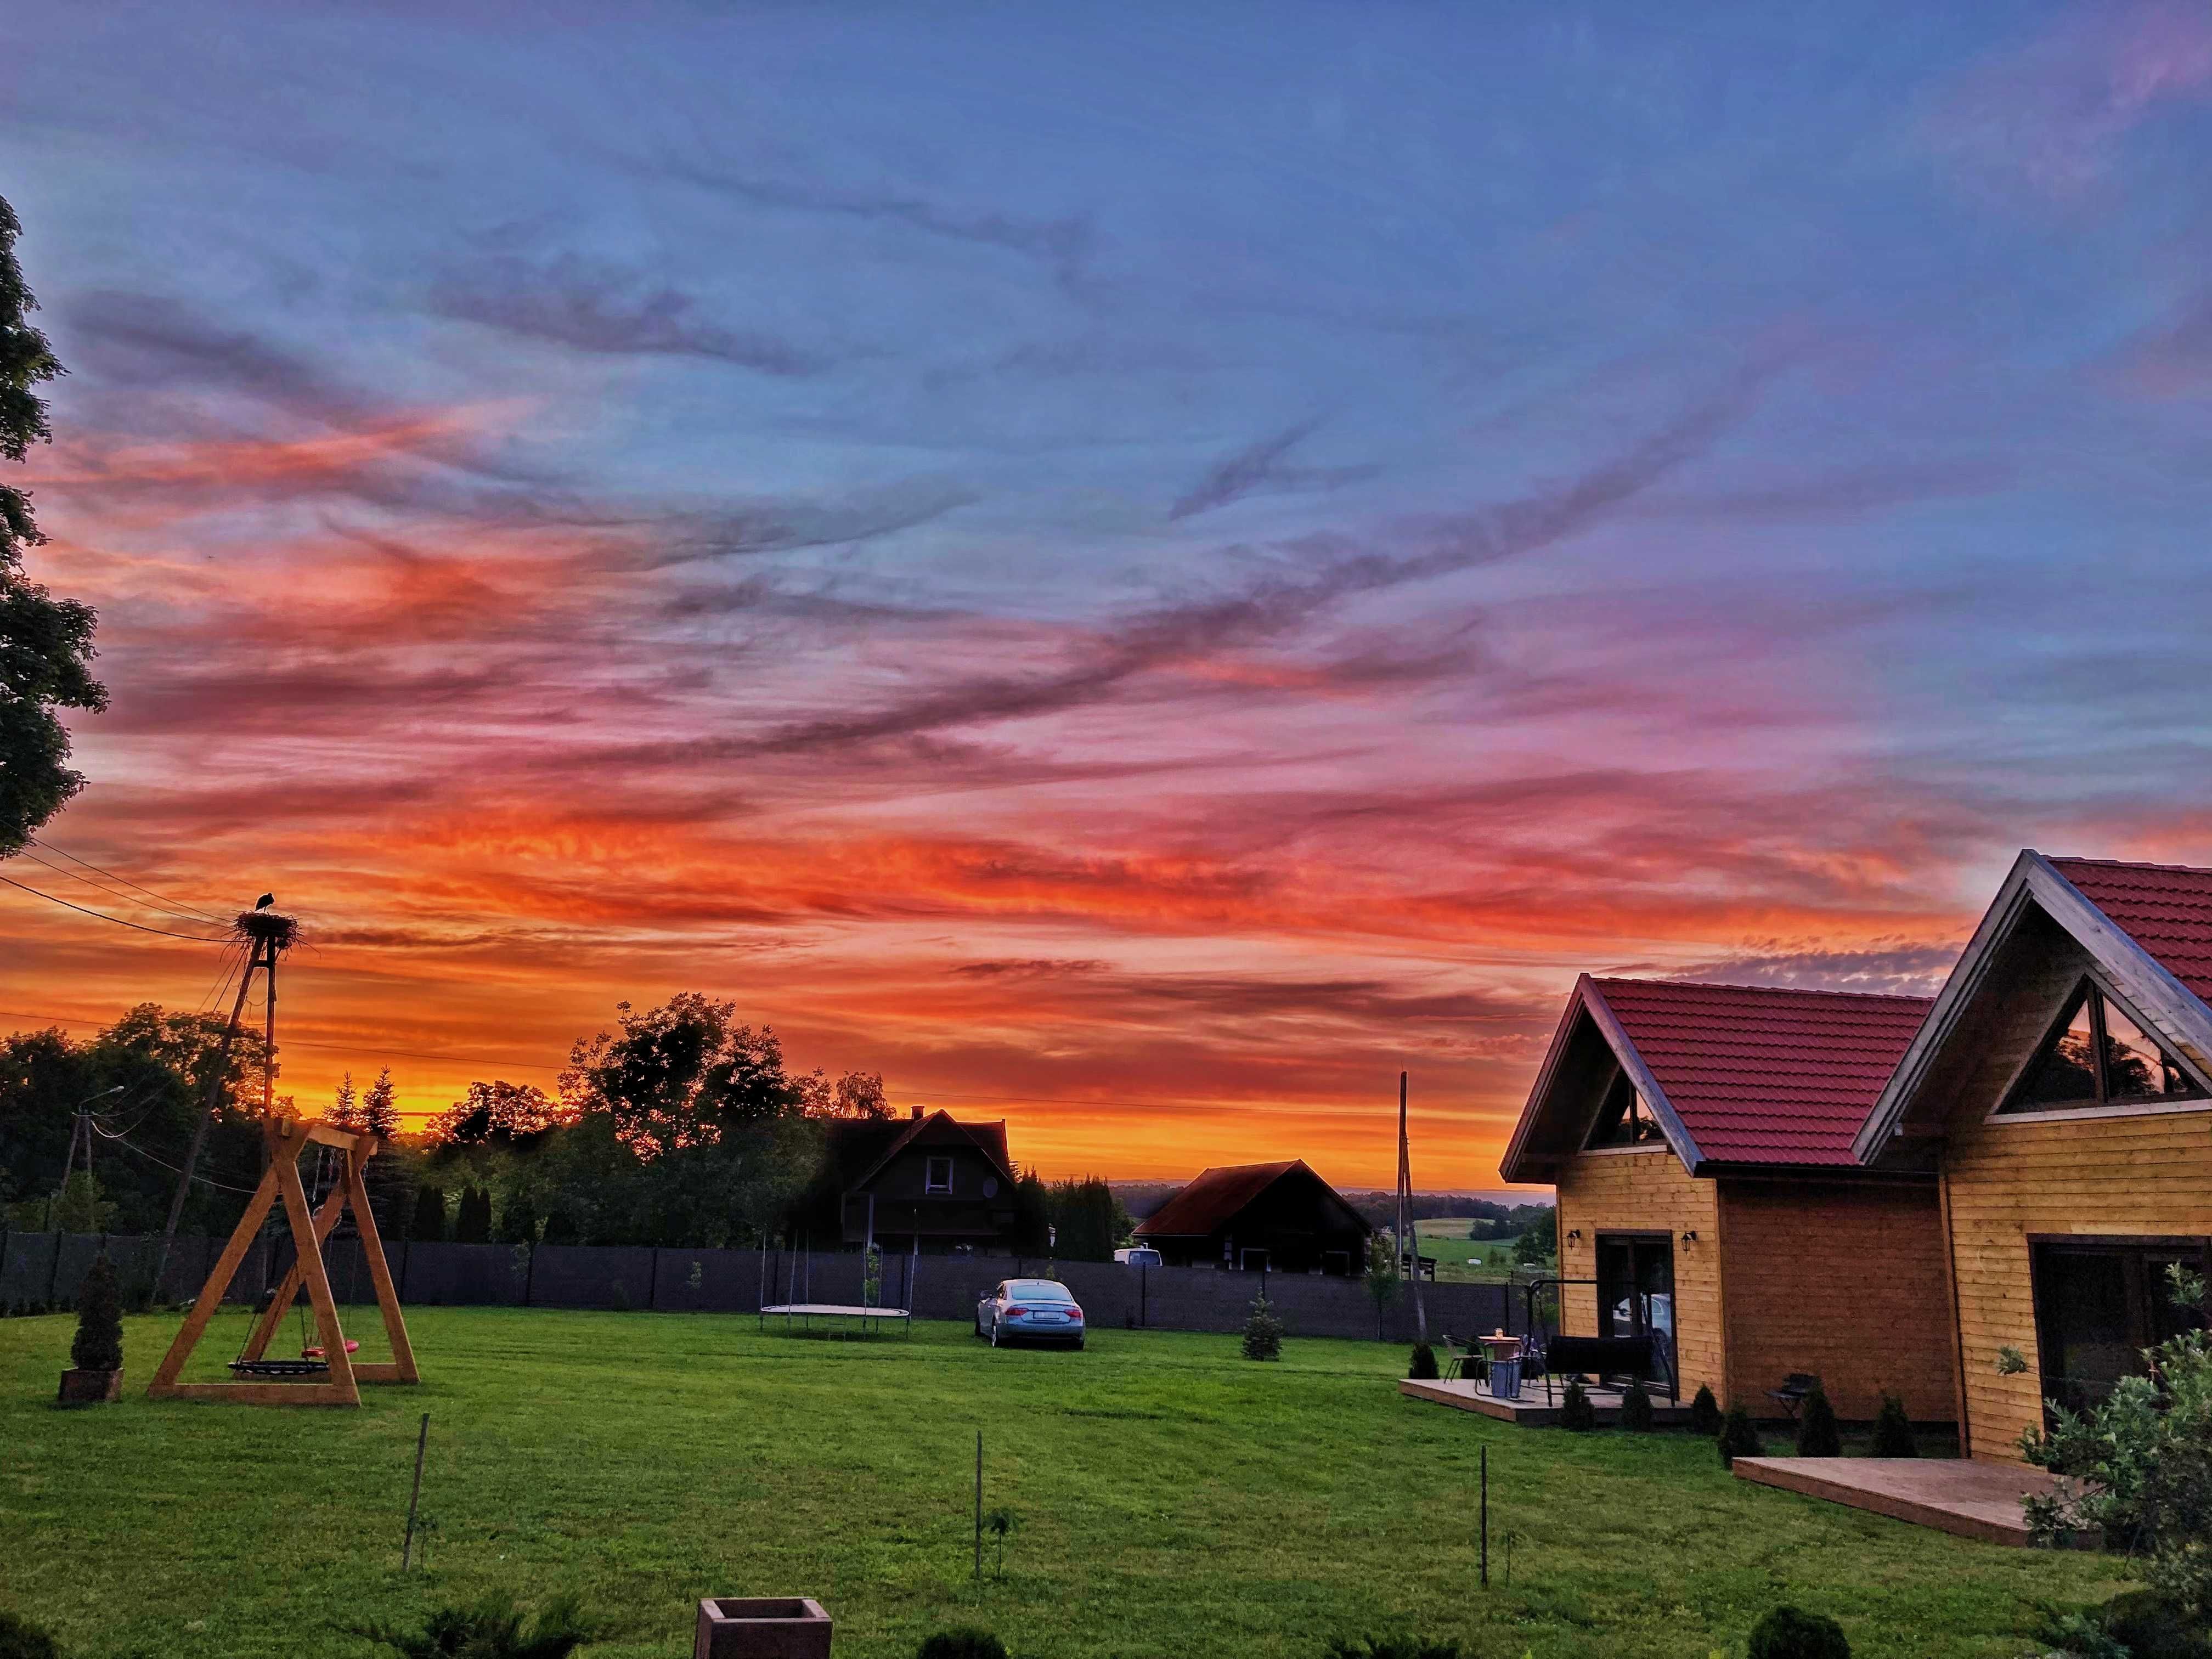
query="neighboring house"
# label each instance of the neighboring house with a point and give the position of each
(932, 1179)
(1701, 1139)
(1281, 1217)
(2064, 1079)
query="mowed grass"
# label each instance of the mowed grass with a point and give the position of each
(1173, 1499)
(1460, 1259)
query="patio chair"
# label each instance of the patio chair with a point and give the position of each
(1790, 1396)
(1459, 1357)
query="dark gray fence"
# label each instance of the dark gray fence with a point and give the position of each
(43, 1268)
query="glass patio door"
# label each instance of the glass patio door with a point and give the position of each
(1636, 1290)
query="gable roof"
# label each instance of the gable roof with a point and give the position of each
(860, 1149)
(2147, 927)
(1214, 1199)
(1734, 1074)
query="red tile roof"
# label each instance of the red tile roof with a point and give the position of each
(1208, 1203)
(1761, 1075)
(2165, 908)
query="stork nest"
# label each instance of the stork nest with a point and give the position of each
(267, 927)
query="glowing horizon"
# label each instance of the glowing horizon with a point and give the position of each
(1138, 573)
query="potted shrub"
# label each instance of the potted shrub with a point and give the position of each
(96, 1354)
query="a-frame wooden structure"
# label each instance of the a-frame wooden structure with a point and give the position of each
(337, 1380)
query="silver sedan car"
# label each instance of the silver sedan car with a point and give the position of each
(1029, 1311)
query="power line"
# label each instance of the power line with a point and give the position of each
(205, 1181)
(194, 939)
(194, 909)
(120, 894)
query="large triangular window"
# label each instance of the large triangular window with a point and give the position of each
(1624, 1120)
(2098, 1054)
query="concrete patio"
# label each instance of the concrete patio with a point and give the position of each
(1960, 1496)
(1531, 1408)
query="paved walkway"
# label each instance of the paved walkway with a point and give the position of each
(1970, 1498)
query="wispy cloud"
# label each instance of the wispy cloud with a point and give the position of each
(1259, 467)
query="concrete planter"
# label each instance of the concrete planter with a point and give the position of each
(90, 1387)
(762, 1627)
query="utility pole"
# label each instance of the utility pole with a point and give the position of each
(1411, 1242)
(266, 934)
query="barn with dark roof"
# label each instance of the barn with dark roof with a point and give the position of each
(1282, 1217)
(1702, 1141)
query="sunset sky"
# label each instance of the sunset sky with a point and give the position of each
(1136, 574)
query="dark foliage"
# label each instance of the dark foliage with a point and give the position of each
(2149, 1626)
(498, 1114)
(1575, 1412)
(1088, 1221)
(99, 1343)
(1423, 1363)
(1788, 1632)
(1738, 1438)
(1032, 1215)
(429, 1226)
(472, 1219)
(1893, 1431)
(1705, 1413)
(1392, 1647)
(517, 1223)
(1263, 1332)
(961, 1644)
(21, 1639)
(494, 1628)
(1636, 1408)
(561, 1229)
(1817, 1435)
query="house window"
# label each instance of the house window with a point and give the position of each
(936, 1175)
(2099, 1303)
(2098, 1054)
(1624, 1120)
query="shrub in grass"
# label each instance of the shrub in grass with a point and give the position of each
(1263, 1332)
(1817, 1436)
(1423, 1365)
(1788, 1632)
(1893, 1431)
(961, 1644)
(1392, 1647)
(2149, 1626)
(494, 1628)
(1575, 1410)
(21, 1639)
(1738, 1438)
(1636, 1408)
(98, 1345)
(1705, 1413)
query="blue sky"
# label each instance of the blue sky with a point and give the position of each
(1297, 528)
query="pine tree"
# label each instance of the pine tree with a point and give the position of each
(1817, 1435)
(99, 1343)
(473, 1220)
(1739, 1438)
(429, 1226)
(1893, 1431)
(345, 1105)
(379, 1109)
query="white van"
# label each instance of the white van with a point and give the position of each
(1137, 1256)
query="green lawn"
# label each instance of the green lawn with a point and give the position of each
(1174, 1500)
(1461, 1260)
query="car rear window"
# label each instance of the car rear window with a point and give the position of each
(1038, 1290)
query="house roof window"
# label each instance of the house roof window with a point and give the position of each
(2098, 1054)
(937, 1175)
(1624, 1120)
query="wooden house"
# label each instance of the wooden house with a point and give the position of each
(1701, 1138)
(928, 1180)
(1280, 1217)
(2063, 1084)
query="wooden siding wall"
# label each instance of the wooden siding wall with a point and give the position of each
(1843, 1280)
(2110, 1175)
(1647, 1192)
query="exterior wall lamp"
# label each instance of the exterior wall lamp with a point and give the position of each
(1690, 1237)
(1574, 1233)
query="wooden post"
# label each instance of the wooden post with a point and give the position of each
(979, 1505)
(407, 1544)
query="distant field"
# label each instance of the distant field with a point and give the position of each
(1172, 1501)
(1458, 1259)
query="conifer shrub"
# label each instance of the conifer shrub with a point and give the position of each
(429, 1226)
(961, 1644)
(1788, 1632)
(1706, 1414)
(1423, 1364)
(1575, 1412)
(21, 1639)
(494, 1628)
(1393, 1647)
(1817, 1434)
(98, 1345)
(1893, 1431)
(1739, 1438)
(1263, 1332)
(1636, 1408)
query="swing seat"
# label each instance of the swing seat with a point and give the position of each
(352, 1346)
(280, 1367)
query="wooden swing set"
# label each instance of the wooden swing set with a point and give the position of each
(325, 1374)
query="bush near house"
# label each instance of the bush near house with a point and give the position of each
(1739, 1438)
(98, 1345)
(1706, 1414)
(1575, 1412)
(1817, 1434)
(1422, 1365)
(1893, 1431)
(1788, 1632)
(1636, 1408)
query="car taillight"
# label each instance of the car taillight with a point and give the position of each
(1076, 1314)
(1016, 1313)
